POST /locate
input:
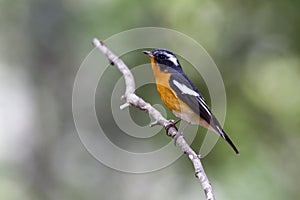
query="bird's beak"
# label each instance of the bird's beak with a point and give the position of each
(148, 53)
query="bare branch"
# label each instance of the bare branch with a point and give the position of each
(132, 99)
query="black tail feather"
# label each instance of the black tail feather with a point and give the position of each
(227, 139)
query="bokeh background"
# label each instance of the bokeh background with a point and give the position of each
(255, 45)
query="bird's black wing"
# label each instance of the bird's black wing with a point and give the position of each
(189, 94)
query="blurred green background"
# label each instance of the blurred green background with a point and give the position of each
(255, 45)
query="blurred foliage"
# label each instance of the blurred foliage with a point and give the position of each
(255, 45)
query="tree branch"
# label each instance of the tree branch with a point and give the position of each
(132, 99)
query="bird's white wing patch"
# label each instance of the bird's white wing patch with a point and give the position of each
(184, 89)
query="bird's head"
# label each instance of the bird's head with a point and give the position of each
(165, 59)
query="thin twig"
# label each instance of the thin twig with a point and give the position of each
(132, 99)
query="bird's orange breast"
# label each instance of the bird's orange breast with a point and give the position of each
(166, 93)
(169, 97)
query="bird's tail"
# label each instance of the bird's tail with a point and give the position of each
(226, 138)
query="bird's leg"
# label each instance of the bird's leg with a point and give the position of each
(175, 122)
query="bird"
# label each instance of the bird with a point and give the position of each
(180, 95)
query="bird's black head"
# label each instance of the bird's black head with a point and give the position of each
(165, 58)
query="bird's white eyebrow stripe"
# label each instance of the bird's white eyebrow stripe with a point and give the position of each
(172, 58)
(184, 89)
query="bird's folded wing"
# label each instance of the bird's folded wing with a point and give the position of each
(188, 93)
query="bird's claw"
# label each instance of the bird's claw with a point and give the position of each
(172, 124)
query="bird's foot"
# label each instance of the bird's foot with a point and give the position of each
(172, 124)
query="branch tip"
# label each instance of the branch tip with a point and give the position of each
(125, 105)
(96, 42)
(155, 123)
